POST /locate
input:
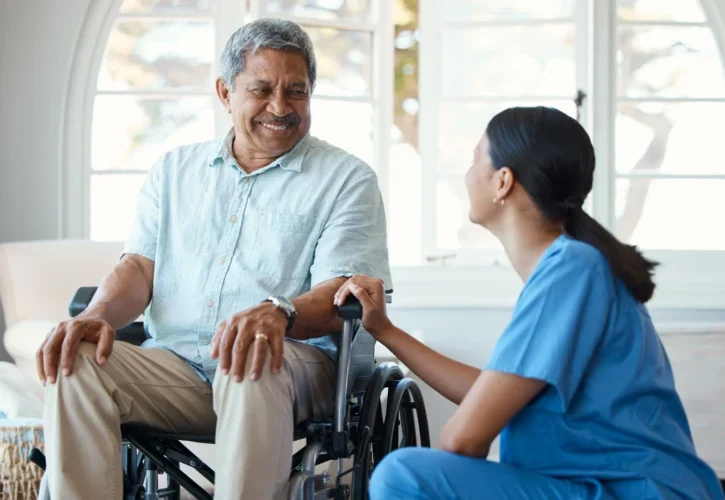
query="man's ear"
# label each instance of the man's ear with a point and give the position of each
(222, 91)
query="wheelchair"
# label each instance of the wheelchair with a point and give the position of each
(362, 430)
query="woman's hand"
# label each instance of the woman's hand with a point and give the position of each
(371, 294)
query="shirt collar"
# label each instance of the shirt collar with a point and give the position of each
(291, 160)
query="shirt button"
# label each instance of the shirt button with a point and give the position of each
(246, 179)
(204, 341)
(222, 261)
(234, 219)
(210, 303)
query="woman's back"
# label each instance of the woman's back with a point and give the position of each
(611, 411)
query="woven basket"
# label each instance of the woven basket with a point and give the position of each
(19, 478)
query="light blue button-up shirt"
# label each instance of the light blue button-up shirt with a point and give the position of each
(223, 240)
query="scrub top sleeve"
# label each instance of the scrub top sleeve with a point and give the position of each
(558, 322)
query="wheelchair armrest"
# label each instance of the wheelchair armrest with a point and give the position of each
(81, 299)
(133, 334)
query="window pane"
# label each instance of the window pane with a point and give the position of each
(343, 61)
(509, 60)
(671, 214)
(113, 205)
(158, 55)
(347, 125)
(661, 10)
(487, 10)
(453, 229)
(671, 138)
(132, 133)
(669, 62)
(322, 9)
(461, 126)
(165, 6)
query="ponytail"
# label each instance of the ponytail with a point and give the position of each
(625, 261)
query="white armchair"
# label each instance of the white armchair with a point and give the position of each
(37, 281)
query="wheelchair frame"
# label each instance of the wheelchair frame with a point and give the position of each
(360, 428)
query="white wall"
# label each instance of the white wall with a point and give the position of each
(37, 39)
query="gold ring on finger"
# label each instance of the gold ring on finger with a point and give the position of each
(261, 336)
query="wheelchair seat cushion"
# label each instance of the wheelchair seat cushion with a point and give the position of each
(143, 432)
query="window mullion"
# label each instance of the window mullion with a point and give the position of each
(602, 72)
(429, 87)
(383, 92)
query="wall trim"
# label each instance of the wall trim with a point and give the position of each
(77, 116)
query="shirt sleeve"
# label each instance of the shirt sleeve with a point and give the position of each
(557, 324)
(354, 239)
(144, 233)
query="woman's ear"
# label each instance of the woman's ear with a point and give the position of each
(505, 183)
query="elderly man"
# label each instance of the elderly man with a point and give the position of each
(238, 249)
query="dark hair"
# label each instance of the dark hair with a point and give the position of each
(552, 158)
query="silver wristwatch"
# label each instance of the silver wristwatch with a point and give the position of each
(287, 307)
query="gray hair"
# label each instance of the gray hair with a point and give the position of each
(266, 33)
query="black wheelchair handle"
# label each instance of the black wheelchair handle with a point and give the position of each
(351, 309)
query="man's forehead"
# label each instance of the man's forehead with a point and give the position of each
(288, 81)
(272, 69)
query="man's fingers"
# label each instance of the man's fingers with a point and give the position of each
(51, 352)
(276, 345)
(216, 338)
(39, 358)
(239, 357)
(226, 344)
(105, 345)
(68, 349)
(260, 346)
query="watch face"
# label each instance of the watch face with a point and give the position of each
(287, 305)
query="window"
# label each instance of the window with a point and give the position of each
(669, 162)
(154, 92)
(409, 85)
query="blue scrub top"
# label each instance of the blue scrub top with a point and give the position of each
(610, 414)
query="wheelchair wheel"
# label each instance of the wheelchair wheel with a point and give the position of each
(405, 409)
(371, 427)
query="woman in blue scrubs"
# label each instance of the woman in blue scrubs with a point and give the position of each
(579, 385)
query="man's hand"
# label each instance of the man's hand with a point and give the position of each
(59, 348)
(254, 328)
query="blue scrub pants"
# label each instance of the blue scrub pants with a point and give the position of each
(425, 473)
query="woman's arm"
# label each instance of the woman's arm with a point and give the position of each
(494, 399)
(446, 376)
(488, 399)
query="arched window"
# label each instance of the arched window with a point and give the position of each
(409, 85)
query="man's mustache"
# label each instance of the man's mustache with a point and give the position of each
(290, 119)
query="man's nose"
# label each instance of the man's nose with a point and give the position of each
(278, 104)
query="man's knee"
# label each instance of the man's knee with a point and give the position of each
(253, 390)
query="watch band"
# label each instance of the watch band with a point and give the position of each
(287, 308)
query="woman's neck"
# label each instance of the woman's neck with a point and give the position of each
(525, 240)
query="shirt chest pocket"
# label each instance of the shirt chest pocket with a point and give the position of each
(282, 245)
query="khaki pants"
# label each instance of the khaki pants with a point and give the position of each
(253, 421)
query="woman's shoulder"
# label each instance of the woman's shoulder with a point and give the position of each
(576, 257)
